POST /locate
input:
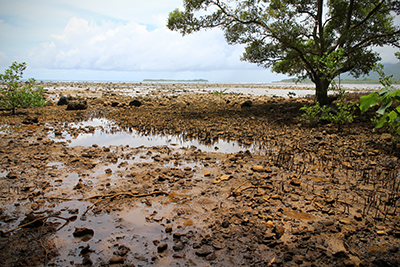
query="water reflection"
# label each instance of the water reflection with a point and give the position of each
(107, 134)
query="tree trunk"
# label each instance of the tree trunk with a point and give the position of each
(321, 92)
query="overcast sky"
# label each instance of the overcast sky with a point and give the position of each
(119, 40)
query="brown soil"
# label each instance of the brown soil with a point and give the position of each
(301, 195)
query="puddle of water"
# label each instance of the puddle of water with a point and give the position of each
(140, 229)
(103, 136)
(6, 129)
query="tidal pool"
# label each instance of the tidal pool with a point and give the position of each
(106, 133)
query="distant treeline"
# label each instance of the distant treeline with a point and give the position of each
(168, 80)
(373, 77)
(356, 81)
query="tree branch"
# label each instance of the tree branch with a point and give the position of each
(370, 14)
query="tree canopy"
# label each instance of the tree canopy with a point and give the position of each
(316, 39)
(14, 93)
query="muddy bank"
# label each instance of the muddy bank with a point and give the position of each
(277, 192)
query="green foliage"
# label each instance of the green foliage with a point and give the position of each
(14, 93)
(388, 98)
(300, 38)
(316, 113)
(345, 114)
(220, 93)
(313, 113)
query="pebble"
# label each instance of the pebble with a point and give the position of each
(162, 248)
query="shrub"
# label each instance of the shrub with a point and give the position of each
(14, 93)
(316, 113)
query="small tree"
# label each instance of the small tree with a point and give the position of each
(14, 93)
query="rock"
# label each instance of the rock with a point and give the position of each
(12, 175)
(204, 251)
(77, 105)
(79, 232)
(257, 168)
(86, 250)
(336, 246)
(114, 104)
(225, 224)
(30, 120)
(79, 185)
(207, 173)
(162, 248)
(295, 182)
(279, 231)
(381, 232)
(64, 100)
(116, 260)
(178, 246)
(87, 261)
(211, 257)
(247, 104)
(269, 224)
(224, 177)
(168, 229)
(135, 103)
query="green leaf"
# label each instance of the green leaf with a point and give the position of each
(383, 108)
(368, 101)
(381, 121)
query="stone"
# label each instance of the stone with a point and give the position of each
(225, 224)
(295, 182)
(246, 104)
(279, 231)
(269, 224)
(257, 168)
(64, 100)
(381, 232)
(179, 246)
(30, 120)
(135, 103)
(77, 105)
(204, 251)
(79, 232)
(168, 229)
(116, 260)
(12, 175)
(162, 248)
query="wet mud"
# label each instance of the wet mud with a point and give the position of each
(192, 178)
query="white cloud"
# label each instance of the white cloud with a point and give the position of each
(131, 47)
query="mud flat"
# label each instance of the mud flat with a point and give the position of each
(168, 175)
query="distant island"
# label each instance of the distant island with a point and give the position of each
(169, 80)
